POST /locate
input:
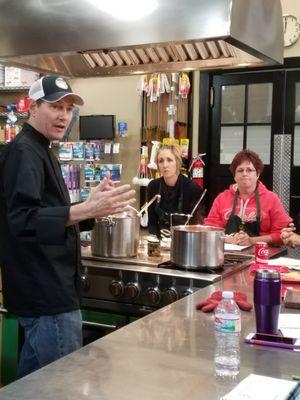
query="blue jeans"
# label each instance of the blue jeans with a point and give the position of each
(48, 338)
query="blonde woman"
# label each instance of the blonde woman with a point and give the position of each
(178, 193)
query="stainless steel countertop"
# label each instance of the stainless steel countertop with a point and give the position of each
(166, 355)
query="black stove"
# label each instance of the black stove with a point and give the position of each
(136, 288)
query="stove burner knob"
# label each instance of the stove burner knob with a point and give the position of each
(171, 294)
(187, 292)
(116, 288)
(154, 295)
(132, 290)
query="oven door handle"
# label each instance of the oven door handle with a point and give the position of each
(98, 325)
(3, 310)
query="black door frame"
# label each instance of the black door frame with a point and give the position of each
(205, 111)
(292, 78)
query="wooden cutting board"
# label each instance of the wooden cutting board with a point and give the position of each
(292, 299)
(290, 277)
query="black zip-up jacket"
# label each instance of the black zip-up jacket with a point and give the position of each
(39, 255)
(191, 193)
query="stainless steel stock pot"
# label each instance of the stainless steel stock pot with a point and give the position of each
(197, 246)
(116, 236)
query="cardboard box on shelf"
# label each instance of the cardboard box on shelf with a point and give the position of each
(14, 77)
(1, 75)
(292, 299)
(2, 136)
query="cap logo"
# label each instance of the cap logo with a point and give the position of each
(61, 83)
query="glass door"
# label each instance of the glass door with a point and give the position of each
(245, 114)
(292, 128)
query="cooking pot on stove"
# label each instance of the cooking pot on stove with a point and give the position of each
(197, 246)
(116, 236)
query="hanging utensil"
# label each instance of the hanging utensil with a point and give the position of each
(144, 118)
(197, 204)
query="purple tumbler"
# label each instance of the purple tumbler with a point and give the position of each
(267, 297)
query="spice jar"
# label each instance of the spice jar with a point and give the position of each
(153, 247)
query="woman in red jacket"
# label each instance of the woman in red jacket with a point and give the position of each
(248, 211)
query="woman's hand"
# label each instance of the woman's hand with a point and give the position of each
(241, 238)
(230, 238)
(289, 237)
(293, 240)
(287, 232)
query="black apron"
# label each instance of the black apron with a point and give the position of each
(235, 223)
(164, 217)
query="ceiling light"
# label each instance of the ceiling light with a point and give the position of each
(129, 10)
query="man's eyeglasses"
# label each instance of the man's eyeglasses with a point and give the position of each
(247, 170)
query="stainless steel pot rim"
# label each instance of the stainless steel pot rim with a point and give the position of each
(198, 228)
(124, 215)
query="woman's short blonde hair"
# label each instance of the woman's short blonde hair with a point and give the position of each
(175, 150)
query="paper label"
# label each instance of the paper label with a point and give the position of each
(227, 325)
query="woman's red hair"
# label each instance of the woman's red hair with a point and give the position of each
(247, 155)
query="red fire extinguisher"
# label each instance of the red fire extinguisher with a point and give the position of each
(197, 168)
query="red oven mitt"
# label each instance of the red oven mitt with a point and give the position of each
(241, 300)
(211, 303)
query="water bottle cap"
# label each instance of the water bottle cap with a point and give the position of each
(227, 295)
(267, 274)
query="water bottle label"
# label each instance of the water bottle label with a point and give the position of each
(227, 325)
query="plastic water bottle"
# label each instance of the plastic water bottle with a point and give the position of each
(227, 333)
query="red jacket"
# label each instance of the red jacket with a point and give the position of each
(273, 215)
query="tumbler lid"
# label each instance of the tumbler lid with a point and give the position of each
(267, 274)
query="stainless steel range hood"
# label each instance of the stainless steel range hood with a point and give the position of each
(74, 38)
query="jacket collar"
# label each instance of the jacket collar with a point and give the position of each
(36, 135)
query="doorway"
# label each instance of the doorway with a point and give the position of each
(259, 110)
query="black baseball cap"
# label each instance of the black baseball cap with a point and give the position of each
(52, 88)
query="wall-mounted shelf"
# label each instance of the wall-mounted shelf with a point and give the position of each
(19, 115)
(6, 89)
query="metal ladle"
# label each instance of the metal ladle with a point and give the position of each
(194, 209)
(146, 205)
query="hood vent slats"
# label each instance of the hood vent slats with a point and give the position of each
(198, 51)
(168, 58)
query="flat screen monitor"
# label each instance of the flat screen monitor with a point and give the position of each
(96, 127)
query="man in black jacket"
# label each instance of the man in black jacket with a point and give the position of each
(39, 228)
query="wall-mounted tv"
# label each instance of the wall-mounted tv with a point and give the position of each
(96, 127)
